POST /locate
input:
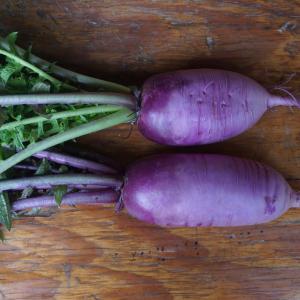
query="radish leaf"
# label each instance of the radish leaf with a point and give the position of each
(59, 191)
(5, 215)
(1, 236)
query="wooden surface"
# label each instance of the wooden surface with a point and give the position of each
(97, 254)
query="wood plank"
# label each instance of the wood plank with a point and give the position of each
(94, 253)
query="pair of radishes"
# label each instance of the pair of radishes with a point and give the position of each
(197, 107)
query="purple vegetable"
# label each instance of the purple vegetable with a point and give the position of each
(195, 190)
(202, 106)
(187, 107)
(205, 190)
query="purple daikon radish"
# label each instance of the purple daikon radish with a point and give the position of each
(202, 106)
(205, 190)
(174, 190)
(181, 108)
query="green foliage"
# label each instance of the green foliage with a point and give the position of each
(43, 168)
(1, 236)
(58, 192)
(21, 74)
(11, 39)
(5, 214)
(17, 79)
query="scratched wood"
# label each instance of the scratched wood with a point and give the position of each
(93, 253)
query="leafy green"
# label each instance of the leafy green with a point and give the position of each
(30, 126)
(43, 168)
(7, 71)
(41, 87)
(58, 192)
(63, 169)
(11, 39)
(20, 136)
(27, 192)
(23, 73)
(5, 214)
(17, 79)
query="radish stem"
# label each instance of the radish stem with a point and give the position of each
(122, 116)
(75, 162)
(26, 167)
(33, 168)
(89, 81)
(70, 98)
(37, 70)
(89, 198)
(61, 115)
(75, 150)
(47, 181)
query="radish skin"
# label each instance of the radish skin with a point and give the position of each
(205, 190)
(202, 106)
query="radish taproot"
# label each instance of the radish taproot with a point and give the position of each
(176, 190)
(202, 106)
(187, 107)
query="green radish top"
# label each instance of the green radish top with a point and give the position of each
(42, 104)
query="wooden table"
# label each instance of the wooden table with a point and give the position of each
(81, 253)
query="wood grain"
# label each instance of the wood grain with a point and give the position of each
(94, 253)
